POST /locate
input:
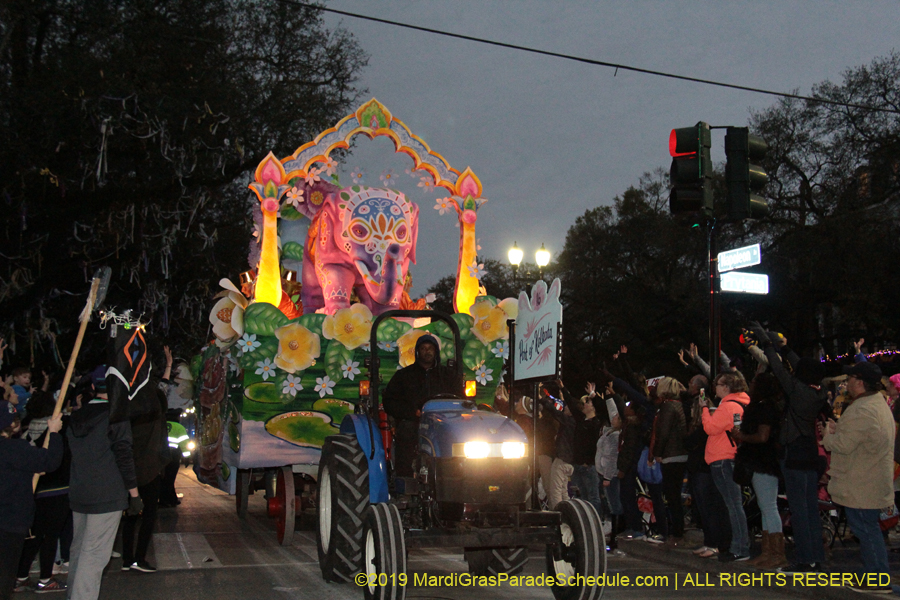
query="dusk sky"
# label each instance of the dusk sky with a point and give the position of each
(550, 138)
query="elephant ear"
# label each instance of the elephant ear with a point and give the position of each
(414, 228)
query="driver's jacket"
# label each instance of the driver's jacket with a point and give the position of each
(412, 386)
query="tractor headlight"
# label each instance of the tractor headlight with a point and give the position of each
(476, 449)
(512, 450)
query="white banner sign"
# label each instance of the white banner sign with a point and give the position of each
(739, 258)
(536, 348)
(749, 283)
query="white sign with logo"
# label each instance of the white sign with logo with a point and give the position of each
(535, 353)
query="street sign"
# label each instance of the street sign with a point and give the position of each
(749, 283)
(739, 258)
(535, 347)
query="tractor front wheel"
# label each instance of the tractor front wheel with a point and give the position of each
(583, 552)
(384, 554)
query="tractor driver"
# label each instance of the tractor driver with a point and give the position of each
(408, 391)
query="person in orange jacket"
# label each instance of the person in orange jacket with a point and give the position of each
(731, 389)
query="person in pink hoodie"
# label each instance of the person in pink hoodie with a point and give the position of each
(731, 389)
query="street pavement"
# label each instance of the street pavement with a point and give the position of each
(204, 551)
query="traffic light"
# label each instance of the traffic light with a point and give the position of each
(743, 175)
(691, 170)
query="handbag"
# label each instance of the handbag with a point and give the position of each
(647, 473)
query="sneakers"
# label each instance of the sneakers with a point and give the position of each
(871, 589)
(631, 535)
(655, 539)
(731, 557)
(22, 585)
(143, 566)
(60, 568)
(51, 585)
(801, 568)
(115, 554)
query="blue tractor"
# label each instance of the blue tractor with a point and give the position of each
(473, 475)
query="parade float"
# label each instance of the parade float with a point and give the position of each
(289, 352)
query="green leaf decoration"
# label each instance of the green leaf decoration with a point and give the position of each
(289, 213)
(302, 428)
(465, 323)
(448, 352)
(313, 322)
(440, 329)
(391, 330)
(295, 181)
(267, 349)
(492, 299)
(334, 408)
(263, 318)
(475, 353)
(292, 250)
(345, 196)
(336, 355)
(265, 392)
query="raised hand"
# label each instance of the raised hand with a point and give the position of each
(692, 351)
(168, 353)
(591, 388)
(623, 349)
(857, 345)
(681, 357)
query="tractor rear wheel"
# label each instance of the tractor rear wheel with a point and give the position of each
(494, 561)
(343, 495)
(384, 554)
(583, 551)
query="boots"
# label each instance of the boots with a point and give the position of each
(776, 552)
(765, 555)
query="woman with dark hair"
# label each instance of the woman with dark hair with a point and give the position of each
(720, 452)
(759, 454)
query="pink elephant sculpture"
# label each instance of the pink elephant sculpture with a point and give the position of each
(360, 239)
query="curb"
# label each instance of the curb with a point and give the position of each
(684, 560)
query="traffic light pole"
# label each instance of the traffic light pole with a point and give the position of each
(712, 252)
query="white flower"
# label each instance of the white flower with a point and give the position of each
(387, 176)
(349, 369)
(291, 385)
(294, 197)
(248, 343)
(444, 205)
(325, 386)
(313, 176)
(367, 347)
(266, 369)
(388, 346)
(501, 349)
(483, 375)
(476, 270)
(357, 175)
(410, 172)
(330, 166)
(426, 184)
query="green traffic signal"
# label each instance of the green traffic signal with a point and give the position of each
(743, 174)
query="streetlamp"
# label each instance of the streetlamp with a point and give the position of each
(542, 258)
(515, 258)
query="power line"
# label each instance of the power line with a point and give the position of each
(589, 61)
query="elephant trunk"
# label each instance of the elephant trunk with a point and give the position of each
(383, 289)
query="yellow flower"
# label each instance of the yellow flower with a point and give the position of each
(490, 322)
(298, 347)
(227, 318)
(350, 326)
(407, 344)
(510, 306)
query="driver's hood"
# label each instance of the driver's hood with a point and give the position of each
(447, 422)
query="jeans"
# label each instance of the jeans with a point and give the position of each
(612, 496)
(149, 494)
(655, 490)
(766, 488)
(723, 476)
(673, 480)
(587, 481)
(864, 523)
(716, 529)
(803, 498)
(50, 516)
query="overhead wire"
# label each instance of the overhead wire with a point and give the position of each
(590, 61)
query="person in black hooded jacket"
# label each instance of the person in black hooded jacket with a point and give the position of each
(409, 389)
